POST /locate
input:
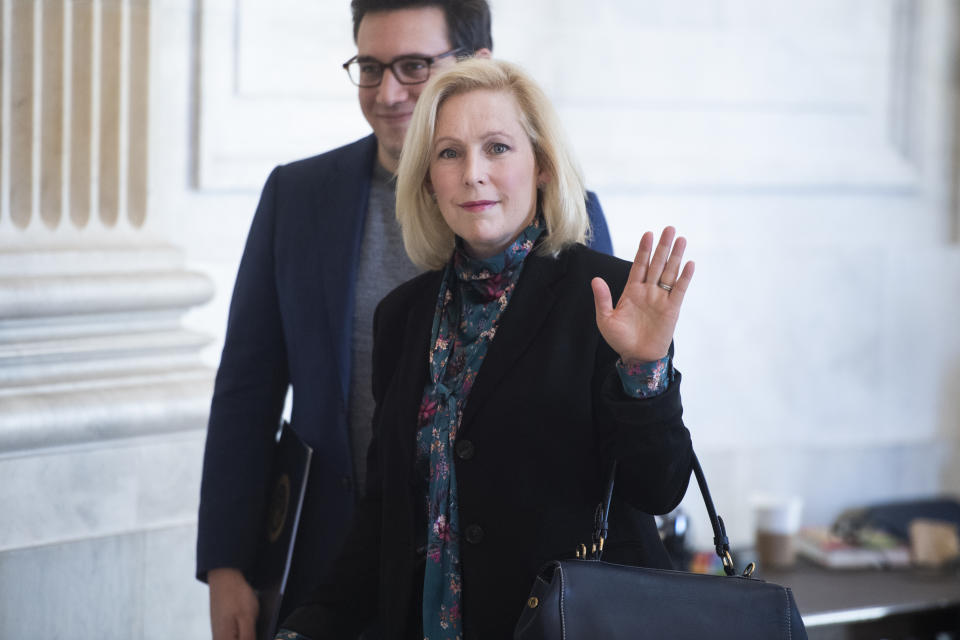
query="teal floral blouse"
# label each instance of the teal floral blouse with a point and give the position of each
(472, 297)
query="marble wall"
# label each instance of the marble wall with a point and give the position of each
(124, 586)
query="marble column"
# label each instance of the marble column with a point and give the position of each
(103, 397)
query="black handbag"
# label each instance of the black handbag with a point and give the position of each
(588, 599)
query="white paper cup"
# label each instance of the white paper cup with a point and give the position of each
(777, 521)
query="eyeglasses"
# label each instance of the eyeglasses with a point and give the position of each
(368, 73)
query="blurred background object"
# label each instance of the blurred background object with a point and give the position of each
(673, 532)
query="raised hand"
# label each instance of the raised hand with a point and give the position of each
(641, 326)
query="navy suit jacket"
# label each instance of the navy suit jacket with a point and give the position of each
(290, 323)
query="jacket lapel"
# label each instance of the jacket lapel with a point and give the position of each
(343, 196)
(413, 369)
(529, 307)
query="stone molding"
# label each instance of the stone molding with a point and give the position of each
(114, 408)
(92, 347)
(43, 296)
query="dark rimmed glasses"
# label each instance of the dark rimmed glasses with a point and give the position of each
(368, 73)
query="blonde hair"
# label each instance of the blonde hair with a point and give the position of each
(426, 237)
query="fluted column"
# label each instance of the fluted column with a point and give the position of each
(77, 109)
(77, 255)
(103, 396)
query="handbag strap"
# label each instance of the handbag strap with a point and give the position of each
(720, 541)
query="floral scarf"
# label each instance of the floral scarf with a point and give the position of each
(473, 295)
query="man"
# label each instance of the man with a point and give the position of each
(323, 248)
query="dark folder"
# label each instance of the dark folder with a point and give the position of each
(288, 484)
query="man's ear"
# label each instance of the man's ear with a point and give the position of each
(543, 177)
(483, 53)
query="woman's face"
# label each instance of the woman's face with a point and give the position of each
(483, 170)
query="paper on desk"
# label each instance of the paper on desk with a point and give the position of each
(933, 542)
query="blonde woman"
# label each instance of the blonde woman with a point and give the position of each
(505, 378)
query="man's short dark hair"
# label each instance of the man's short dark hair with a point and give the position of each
(468, 21)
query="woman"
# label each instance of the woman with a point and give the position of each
(505, 380)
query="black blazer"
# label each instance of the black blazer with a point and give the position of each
(545, 416)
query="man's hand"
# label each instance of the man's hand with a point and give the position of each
(233, 605)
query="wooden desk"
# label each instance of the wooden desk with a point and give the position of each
(874, 604)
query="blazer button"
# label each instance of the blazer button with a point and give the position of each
(464, 449)
(474, 534)
(347, 483)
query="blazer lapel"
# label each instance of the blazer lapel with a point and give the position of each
(343, 196)
(529, 307)
(413, 369)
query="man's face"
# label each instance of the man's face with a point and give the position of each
(385, 36)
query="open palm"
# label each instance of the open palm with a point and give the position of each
(641, 326)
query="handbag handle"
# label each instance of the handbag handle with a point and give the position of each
(720, 541)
